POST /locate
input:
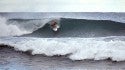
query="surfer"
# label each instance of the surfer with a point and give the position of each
(54, 25)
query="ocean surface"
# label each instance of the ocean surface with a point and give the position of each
(81, 36)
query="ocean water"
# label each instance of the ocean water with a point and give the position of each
(81, 36)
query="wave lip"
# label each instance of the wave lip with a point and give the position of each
(76, 48)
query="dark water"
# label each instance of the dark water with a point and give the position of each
(82, 28)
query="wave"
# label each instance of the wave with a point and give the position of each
(72, 24)
(97, 48)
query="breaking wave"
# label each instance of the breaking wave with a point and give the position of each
(76, 48)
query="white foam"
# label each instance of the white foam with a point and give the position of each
(76, 48)
(10, 30)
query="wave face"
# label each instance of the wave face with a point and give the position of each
(82, 28)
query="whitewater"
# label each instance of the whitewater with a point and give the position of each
(31, 32)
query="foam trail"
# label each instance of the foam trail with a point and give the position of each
(76, 48)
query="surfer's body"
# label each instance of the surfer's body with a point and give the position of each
(54, 25)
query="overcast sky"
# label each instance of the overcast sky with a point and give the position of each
(62, 5)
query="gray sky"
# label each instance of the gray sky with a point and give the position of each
(62, 5)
